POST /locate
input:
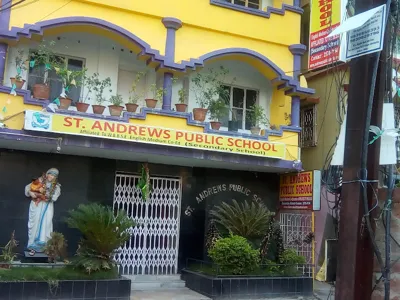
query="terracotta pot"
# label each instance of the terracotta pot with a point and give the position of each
(181, 107)
(115, 110)
(215, 125)
(18, 83)
(199, 114)
(65, 103)
(131, 107)
(255, 130)
(151, 103)
(41, 91)
(98, 109)
(82, 107)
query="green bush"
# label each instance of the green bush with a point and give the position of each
(290, 261)
(103, 232)
(234, 255)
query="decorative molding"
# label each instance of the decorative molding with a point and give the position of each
(259, 12)
(298, 49)
(26, 94)
(172, 23)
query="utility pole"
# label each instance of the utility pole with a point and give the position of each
(356, 255)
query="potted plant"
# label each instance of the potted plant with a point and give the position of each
(158, 94)
(217, 109)
(69, 79)
(116, 106)
(18, 82)
(257, 117)
(98, 86)
(43, 56)
(206, 87)
(134, 96)
(181, 106)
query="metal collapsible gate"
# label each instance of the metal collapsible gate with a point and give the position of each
(295, 227)
(153, 246)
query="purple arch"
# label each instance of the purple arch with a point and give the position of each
(38, 28)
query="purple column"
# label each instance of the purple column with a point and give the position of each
(297, 50)
(167, 97)
(172, 25)
(3, 55)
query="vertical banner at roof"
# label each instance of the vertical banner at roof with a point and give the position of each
(325, 17)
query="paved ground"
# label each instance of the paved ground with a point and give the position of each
(322, 291)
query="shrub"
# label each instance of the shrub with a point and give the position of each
(246, 220)
(234, 255)
(56, 247)
(291, 261)
(103, 232)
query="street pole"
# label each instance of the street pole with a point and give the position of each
(356, 253)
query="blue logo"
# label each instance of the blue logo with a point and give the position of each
(40, 120)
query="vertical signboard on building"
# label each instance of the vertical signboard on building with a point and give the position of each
(300, 191)
(325, 17)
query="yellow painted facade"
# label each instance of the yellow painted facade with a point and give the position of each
(205, 28)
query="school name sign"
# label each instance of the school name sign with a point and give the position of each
(81, 126)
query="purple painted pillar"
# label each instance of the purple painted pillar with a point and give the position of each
(172, 25)
(297, 50)
(3, 55)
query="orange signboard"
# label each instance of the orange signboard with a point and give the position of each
(300, 190)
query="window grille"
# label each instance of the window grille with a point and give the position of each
(308, 123)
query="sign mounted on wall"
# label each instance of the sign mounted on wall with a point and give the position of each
(300, 191)
(130, 132)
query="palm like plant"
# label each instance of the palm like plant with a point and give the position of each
(246, 220)
(103, 232)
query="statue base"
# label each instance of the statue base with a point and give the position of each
(38, 257)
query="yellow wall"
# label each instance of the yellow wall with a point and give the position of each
(13, 116)
(328, 128)
(205, 27)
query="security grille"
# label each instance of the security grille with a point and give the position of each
(295, 228)
(153, 246)
(308, 124)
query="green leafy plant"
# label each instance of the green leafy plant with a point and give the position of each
(44, 56)
(8, 251)
(256, 115)
(157, 92)
(218, 109)
(290, 261)
(182, 96)
(134, 96)
(56, 247)
(117, 100)
(20, 65)
(69, 78)
(144, 182)
(102, 233)
(234, 255)
(207, 86)
(93, 83)
(247, 220)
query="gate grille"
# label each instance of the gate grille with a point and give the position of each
(153, 246)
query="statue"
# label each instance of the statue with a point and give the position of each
(43, 191)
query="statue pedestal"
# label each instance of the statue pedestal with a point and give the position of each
(37, 258)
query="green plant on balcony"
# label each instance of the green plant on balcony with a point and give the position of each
(206, 87)
(218, 109)
(134, 95)
(44, 57)
(69, 79)
(18, 82)
(257, 117)
(97, 86)
(102, 232)
(116, 105)
(181, 106)
(157, 95)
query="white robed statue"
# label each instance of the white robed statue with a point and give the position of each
(43, 192)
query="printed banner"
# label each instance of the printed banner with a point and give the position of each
(42, 121)
(325, 17)
(300, 190)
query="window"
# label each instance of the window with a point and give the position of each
(246, 3)
(37, 74)
(308, 124)
(240, 102)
